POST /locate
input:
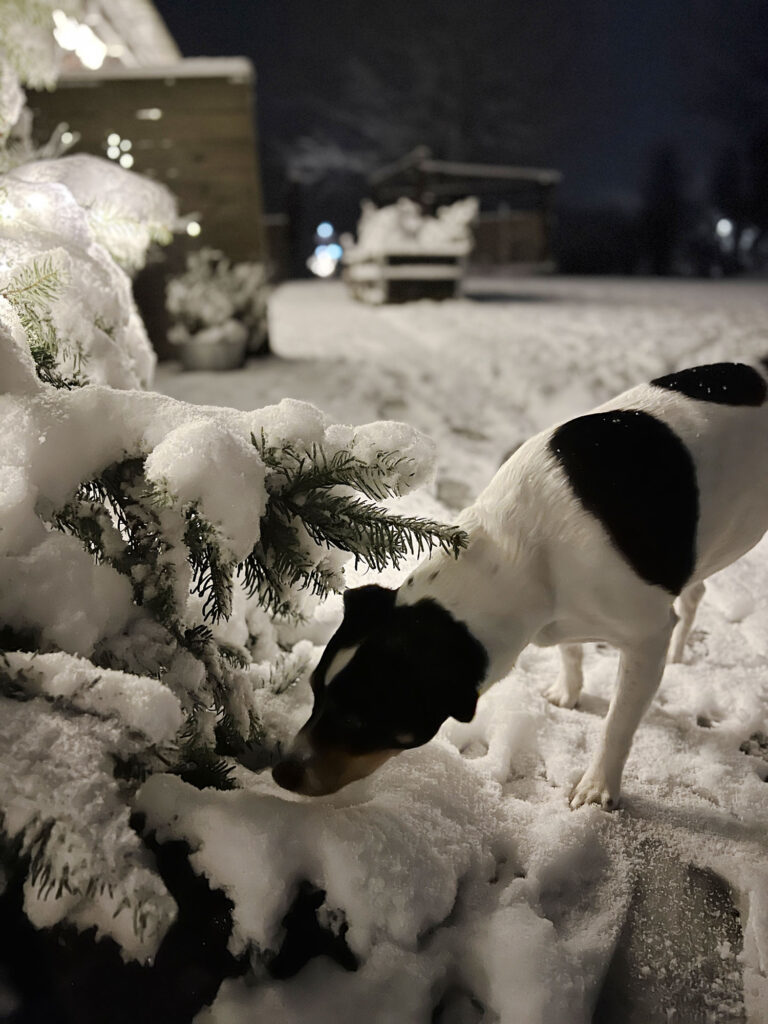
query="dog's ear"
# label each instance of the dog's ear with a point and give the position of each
(464, 666)
(464, 701)
(456, 663)
(365, 607)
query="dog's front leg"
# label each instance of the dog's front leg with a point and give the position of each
(640, 670)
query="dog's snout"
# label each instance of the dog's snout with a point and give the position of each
(289, 774)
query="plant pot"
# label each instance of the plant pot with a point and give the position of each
(212, 355)
(219, 347)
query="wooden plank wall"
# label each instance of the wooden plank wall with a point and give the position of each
(203, 147)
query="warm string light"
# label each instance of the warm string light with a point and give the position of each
(119, 149)
(149, 114)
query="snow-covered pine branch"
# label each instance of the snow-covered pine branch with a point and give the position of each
(65, 727)
(125, 212)
(31, 290)
(167, 515)
(313, 504)
(63, 290)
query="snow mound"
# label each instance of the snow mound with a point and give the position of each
(421, 863)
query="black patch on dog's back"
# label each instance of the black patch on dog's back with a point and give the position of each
(636, 475)
(722, 383)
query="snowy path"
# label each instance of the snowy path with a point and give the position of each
(470, 891)
(480, 376)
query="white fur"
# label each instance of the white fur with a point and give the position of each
(540, 569)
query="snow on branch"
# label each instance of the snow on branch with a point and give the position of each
(125, 211)
(64, 291)
(86, 863)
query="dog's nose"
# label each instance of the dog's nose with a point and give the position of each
(289, 774)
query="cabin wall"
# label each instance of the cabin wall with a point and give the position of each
(195, 132)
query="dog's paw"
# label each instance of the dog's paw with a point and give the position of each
(560, 695)
(594, 788)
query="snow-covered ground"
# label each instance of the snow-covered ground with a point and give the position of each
(470, 892)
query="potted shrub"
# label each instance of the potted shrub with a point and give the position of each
(219, 309)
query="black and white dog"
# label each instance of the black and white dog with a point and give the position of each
(592, 530)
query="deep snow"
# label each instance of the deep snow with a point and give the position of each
(466, 883)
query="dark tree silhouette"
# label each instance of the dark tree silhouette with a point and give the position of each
(469, 87)
(757, 178)
(727, 191)
(662, 211)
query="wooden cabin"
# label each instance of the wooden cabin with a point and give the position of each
(189, 123)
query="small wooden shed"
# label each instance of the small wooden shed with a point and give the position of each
(515, 225)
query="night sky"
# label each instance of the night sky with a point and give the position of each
(593, 87)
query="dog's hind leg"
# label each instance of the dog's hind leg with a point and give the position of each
(565, 691)
(640, 670)
(685, 607)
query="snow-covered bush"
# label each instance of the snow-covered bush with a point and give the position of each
(60, 285)
(126, 213)
(131, 525)
(67, 227)
(160, 563)
(404, 228)
(217, 300)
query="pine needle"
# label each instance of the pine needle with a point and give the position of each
(31, 292)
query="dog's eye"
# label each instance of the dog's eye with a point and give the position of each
(351, 722)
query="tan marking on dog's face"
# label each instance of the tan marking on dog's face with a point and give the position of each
(330, 770)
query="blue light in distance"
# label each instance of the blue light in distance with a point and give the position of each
(325, 230)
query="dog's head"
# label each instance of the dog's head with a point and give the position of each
(387, 680)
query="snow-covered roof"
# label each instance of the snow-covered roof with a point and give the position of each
(141, 30)
(190, 67)
(128, 33)
(541, 175)
(421, 159)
